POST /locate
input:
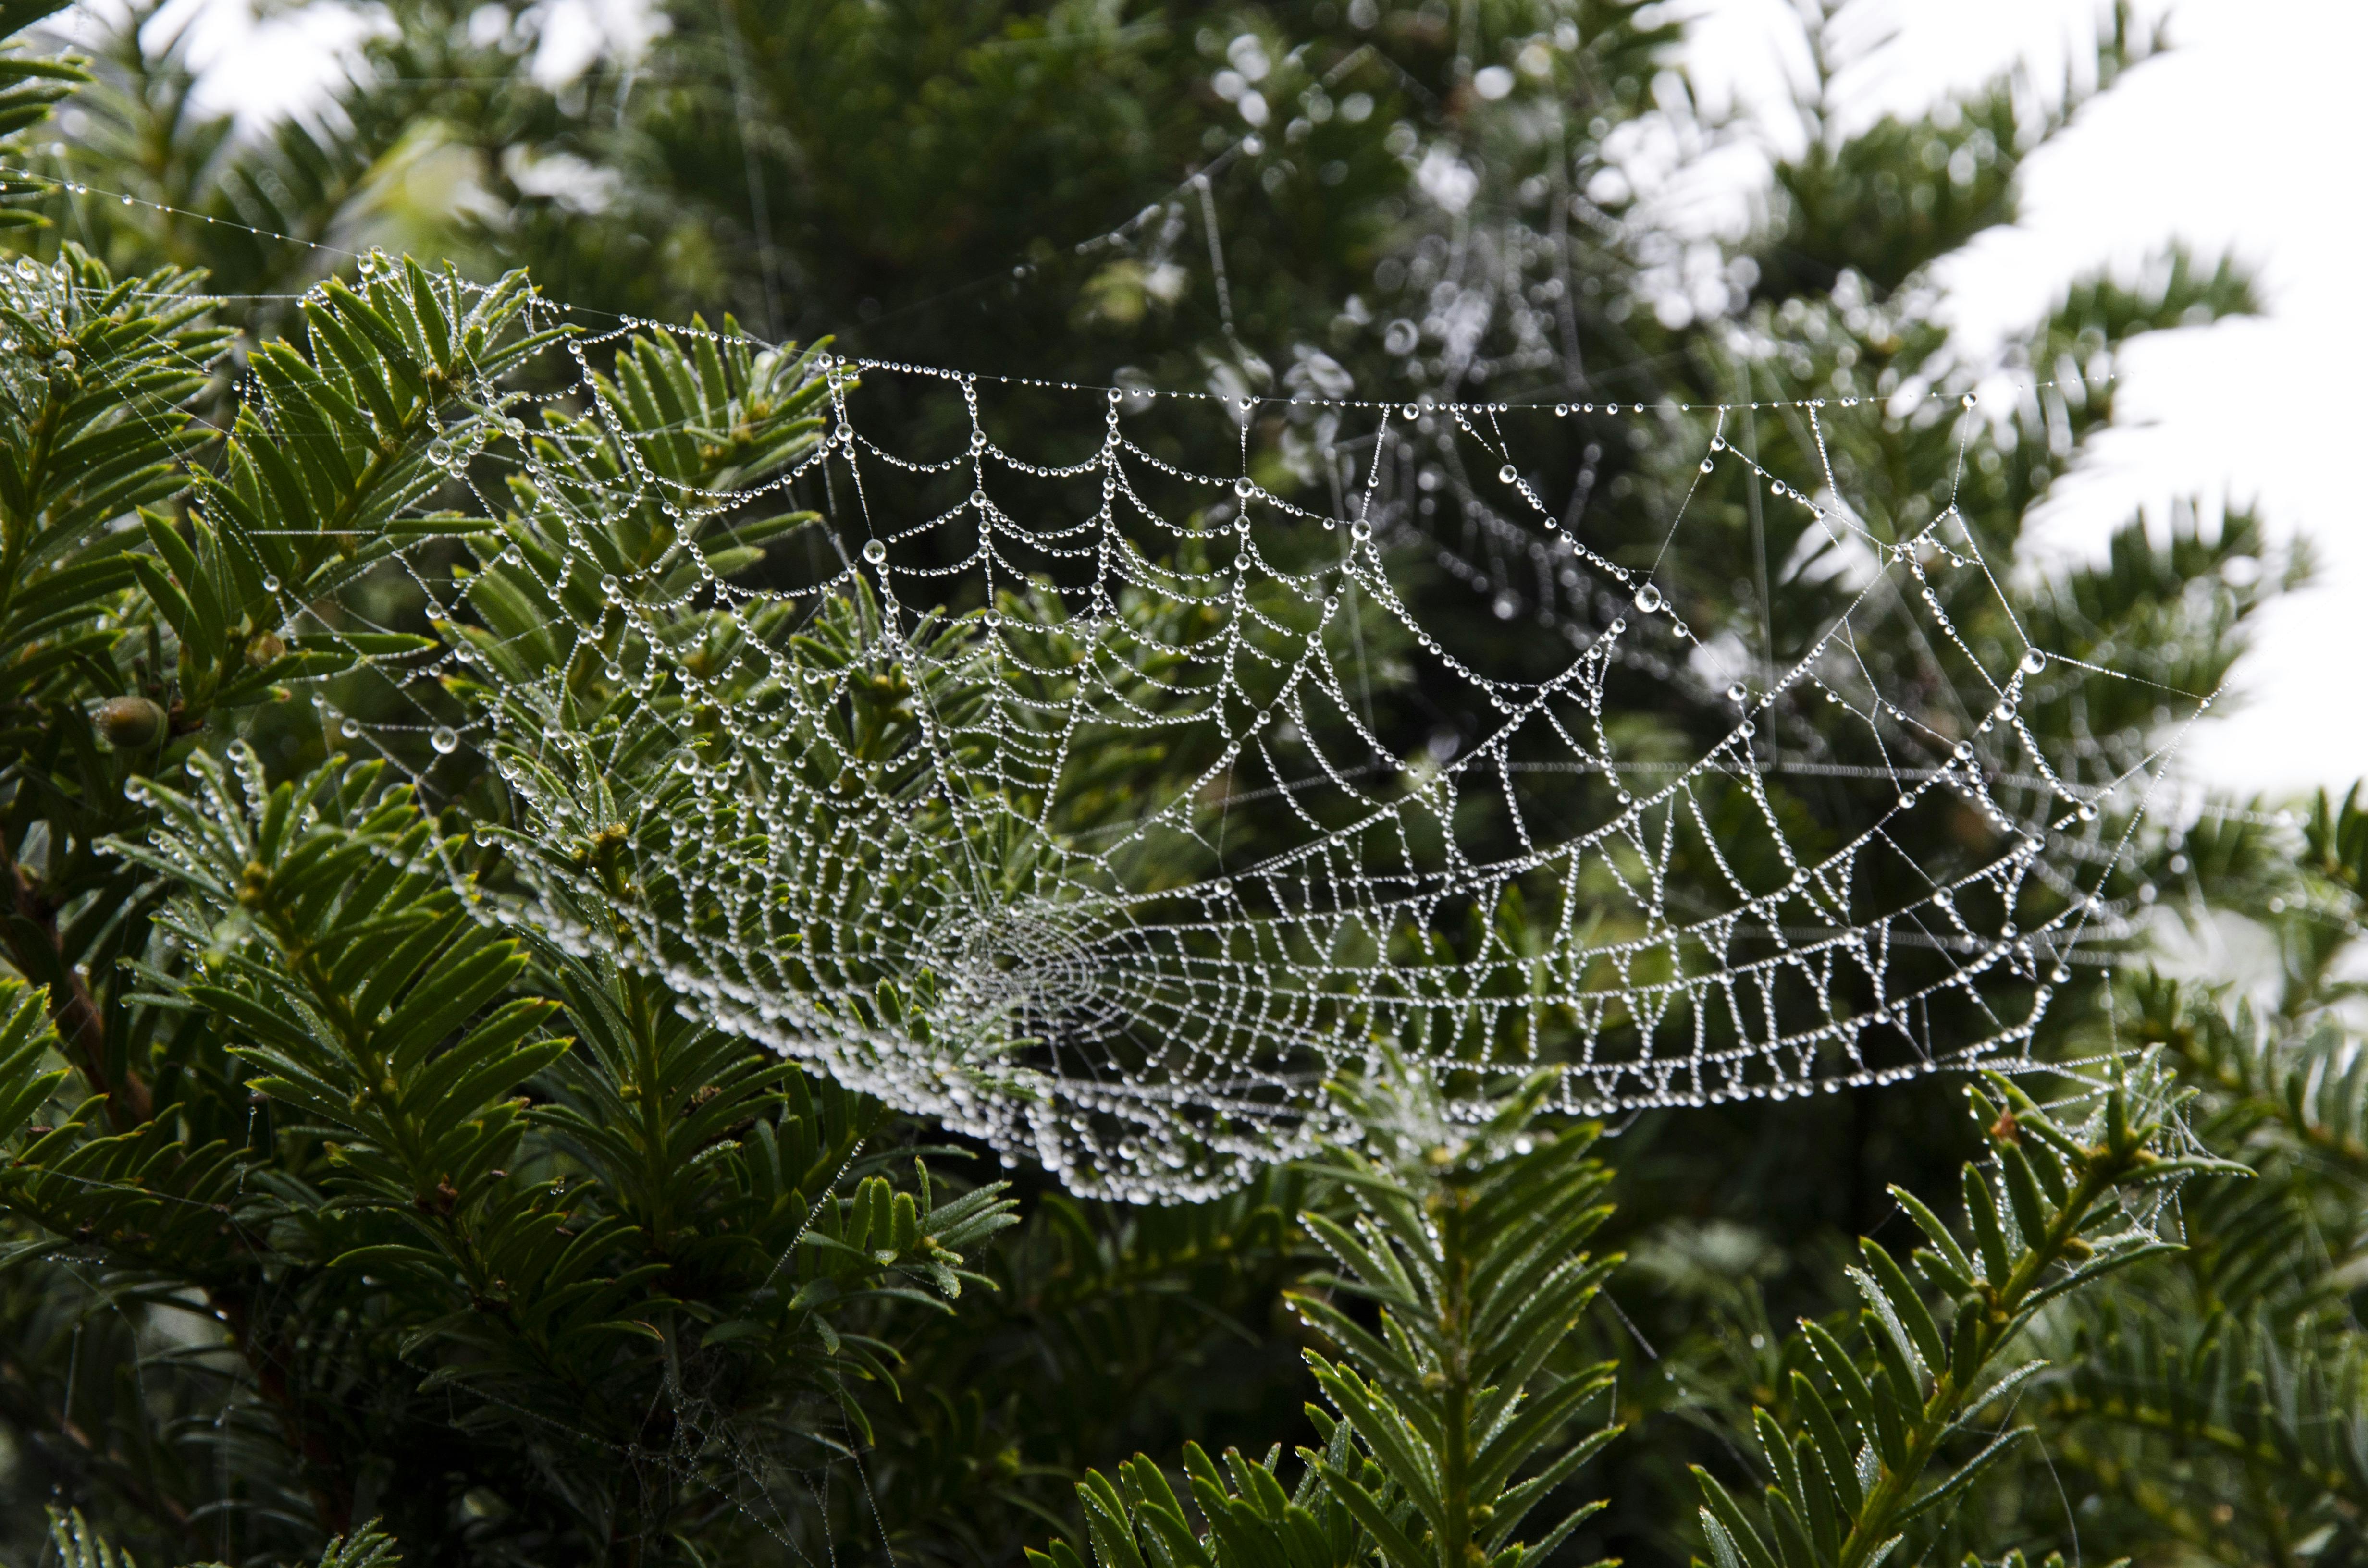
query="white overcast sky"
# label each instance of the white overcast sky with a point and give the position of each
(2236, 139)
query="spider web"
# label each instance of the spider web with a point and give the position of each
(1079, 809)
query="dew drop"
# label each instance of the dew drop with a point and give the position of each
(270, 583)
(2033, 662)
(1507, 474)
(1907, 802)
(1648, 598)
(1738, 692)
(875, 553)
(1411, 412)
(1244, 487)
(440, 451)
(1706, 465)
(445, 739)
(1562, 410)
(350, 729)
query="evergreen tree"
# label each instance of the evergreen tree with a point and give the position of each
(329, 1205)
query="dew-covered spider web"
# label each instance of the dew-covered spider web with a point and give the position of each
(1100, 771)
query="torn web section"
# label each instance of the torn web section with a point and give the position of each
(1832, 876)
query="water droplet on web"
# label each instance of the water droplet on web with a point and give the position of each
(1907, 802)
(2033, 662)
(28, 269)
(445, 739)
(1245, 486)
(1411, 412)
(1706, 465)
(1562, 410)
(1507, 474)
(350, 730)
(270, 583)
(1648, 598)
(686, 763)
(1738, 692)
(875, 553)
(440, 451)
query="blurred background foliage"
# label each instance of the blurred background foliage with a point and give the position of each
(1451, 199)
